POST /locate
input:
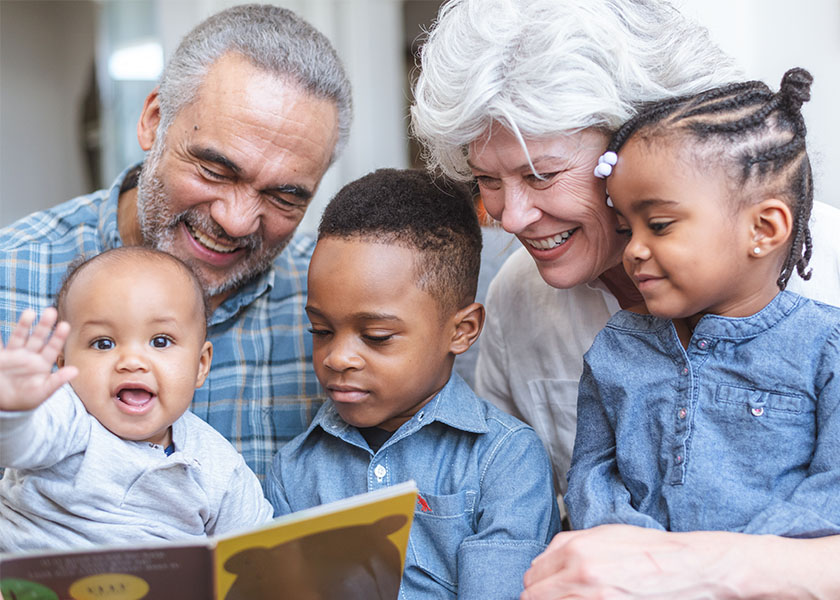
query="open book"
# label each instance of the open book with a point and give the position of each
(346, 550)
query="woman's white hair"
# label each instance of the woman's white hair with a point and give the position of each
(548, 67)
(272, 38)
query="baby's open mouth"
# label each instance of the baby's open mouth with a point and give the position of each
(134, 396)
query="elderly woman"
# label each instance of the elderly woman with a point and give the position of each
(522, 96)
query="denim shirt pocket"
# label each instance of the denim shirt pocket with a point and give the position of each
(765, 429)
(753, 405)
(751, 413)
(441, 523)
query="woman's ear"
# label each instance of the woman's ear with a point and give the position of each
(149, 120)
(468, 322)
(771, 224)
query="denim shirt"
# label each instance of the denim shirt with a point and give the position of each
(739, 432)
(488, 506)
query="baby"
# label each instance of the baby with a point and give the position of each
(117, 457)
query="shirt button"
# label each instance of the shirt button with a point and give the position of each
(702, 344)
(379, 471)
(420, 416)
(682, 413)
(678, 459)
(685, 371)
(757, 411)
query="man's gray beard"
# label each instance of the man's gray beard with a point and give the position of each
(158, 227)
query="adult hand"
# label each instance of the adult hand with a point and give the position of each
(26, 362)
(621, 561)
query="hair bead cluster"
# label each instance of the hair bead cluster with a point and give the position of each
(758, 136)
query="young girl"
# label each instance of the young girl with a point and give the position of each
(719, 408)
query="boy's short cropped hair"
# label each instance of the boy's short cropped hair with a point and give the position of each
(430, 214)
(122, 253)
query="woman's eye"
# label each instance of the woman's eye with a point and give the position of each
(161, 341)
(318, 332)
(541, 180)
(102, 344)
(489, 183)
(625, 231)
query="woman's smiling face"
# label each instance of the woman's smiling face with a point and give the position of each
(561, 217)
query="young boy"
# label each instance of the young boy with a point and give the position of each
(391, 302)
(116, 457)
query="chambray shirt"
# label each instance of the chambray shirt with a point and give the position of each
(488, 506)
(739, 432)
(261, 390)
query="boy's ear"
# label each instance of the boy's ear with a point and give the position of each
(204, 360)
(468, 323)
(771, 226)
(149, 120)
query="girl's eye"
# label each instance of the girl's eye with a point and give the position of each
(102, 344)
(161, 341)
(625, 231)
(659, 226)
(318, 332)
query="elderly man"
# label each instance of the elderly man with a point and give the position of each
(250, 112)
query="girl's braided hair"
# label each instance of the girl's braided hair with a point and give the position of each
(759, 137)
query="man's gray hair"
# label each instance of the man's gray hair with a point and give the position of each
(543, 68)
(272, 38)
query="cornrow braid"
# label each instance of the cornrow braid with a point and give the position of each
(757, 131)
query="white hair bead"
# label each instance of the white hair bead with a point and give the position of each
(603, 170)
(608, 157)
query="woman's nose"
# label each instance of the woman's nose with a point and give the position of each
(518, 210)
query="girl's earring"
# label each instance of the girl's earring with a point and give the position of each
(756, 250)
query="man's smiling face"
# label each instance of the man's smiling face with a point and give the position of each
(227, 184)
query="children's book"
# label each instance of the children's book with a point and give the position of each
(346, 550)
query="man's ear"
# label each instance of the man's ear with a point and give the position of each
(771, 224)
(468, 323)
(204, 361)
(149, 120)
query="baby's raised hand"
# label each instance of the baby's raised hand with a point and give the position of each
(26, 362)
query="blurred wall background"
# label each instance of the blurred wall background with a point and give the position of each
(68, 114)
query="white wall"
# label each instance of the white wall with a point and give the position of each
(768, 37)
(46, 54)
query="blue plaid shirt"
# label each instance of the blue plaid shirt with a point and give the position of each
(261, 390)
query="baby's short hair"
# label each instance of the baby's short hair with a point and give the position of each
(411, 208)
(122, 253)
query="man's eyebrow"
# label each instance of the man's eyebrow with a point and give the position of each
(213, 156)
(210, 155)
(295, 190)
